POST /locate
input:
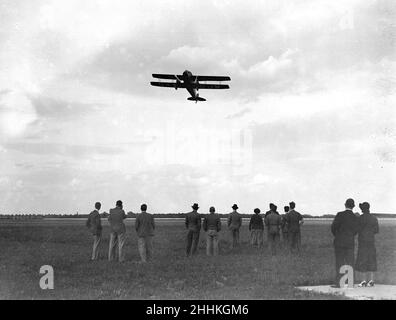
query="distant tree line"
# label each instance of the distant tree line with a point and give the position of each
(156, 215)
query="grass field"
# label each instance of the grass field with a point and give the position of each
(245, 273)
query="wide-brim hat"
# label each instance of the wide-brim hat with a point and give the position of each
(234, 207)
(364, 206)
(195, 206)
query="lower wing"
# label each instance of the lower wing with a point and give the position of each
(213, 86)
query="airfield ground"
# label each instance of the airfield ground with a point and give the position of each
(246, 273)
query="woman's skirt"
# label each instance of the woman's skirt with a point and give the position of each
(366, 260)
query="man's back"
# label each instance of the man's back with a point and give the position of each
(234, 220)
(256, 222)
(273, 222)
(145, 225)
(293, 219)
(193, 221)
(344, 228)
(212, 222)
(116, 220)
(94, 223)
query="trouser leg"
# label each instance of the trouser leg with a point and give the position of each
(121, 243)
(189, 242)
(339, 261)
(195, 242)
(95, 247)
(142, 249)
(216, 244)
(149, 248)
(112, 246)
(260, 238)
(208, 244)
(253, 239)
(298, 241)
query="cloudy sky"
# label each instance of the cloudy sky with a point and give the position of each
(310, 115)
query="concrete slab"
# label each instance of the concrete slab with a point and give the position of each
(378, 292)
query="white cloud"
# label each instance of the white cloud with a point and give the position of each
(16, 113)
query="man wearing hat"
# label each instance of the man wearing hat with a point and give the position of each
(344, 228)
(212, 225)
(193, 225)
(234, 223)
(117, 232)
(294, 220)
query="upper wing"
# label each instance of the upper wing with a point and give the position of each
(167, 84)
(213, 86)
(164, 76)
(213, 78)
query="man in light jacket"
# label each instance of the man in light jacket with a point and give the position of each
(212, 225)
(117, 232)
(145, 230)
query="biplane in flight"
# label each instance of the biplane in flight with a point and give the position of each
(190, 82)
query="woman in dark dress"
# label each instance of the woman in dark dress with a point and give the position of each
(366, 261)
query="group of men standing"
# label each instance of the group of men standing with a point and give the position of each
(289, 224)
(144, 227)
(345, 226)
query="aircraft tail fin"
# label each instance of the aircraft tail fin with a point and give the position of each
(196, 99)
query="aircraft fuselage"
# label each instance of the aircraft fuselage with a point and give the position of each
(190, 83)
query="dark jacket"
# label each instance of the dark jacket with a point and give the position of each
(234, 220)
(256, 222)
(94, 223)
(293, 219)
(116, 220)
(273, 222)
(144, 225)
(344, 228)
(212, 222)
(368, 227)
(193, 221)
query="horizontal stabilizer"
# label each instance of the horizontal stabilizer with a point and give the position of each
(196, 99)
(213, 86)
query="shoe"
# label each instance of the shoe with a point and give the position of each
(370, 283)
(337, 286)
(362, 284)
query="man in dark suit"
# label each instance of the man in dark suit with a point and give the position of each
(234, 223)
(344, 228)
(193, 225)
(294, 220)
(95, 225)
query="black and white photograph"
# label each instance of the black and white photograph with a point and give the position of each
(212, 150)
